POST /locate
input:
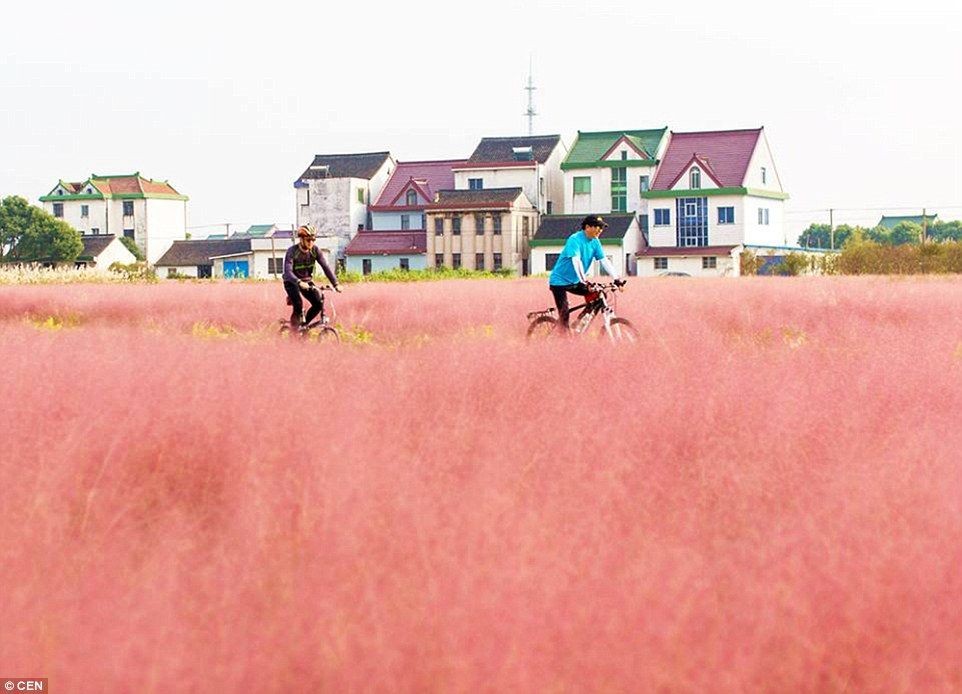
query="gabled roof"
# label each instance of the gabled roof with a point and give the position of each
(494, 150)
(427, 177)
(561, 226)
(120, 186)
(500, 198)
(703, 164)
(345, 165)
(592, 147)
(726, 152)
(387, 243)
(186, 253)
(890, 222)
(94, 245)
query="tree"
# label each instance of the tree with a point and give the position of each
(820, 236)
(905, 232)
(946, 231)
(132, 246)
(29, 233)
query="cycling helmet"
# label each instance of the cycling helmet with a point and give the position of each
(306, 232)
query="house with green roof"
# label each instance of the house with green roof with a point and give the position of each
(890, 222)
(152, 213)
(607, 172)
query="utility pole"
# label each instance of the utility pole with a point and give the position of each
(530, 113)
(831, 228)
(925, 226)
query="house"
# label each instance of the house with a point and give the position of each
(377, 251)
(243, 257)
(708, 261)
(152, 213)
(890, 222)
(609, 171)
(532, 163)
(621, 240)
(335, 190)
(101, 251)
(411, 188)
(480, 229)
(715, 189)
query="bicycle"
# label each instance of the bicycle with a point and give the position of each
(544, 323)
(318, 330)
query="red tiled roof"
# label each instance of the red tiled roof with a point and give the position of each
(650, 251)
(436, 175)
(726, 152)
(387, 243)
(119, 185)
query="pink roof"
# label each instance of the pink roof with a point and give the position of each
(726, 152)
(387, 243)
(430, 177)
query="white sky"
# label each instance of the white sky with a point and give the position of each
(229, 102)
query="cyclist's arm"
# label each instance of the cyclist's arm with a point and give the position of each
(609, 268)
(288, 274)
(579, 268)
(327, 269)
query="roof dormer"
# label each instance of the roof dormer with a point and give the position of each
(523, 153)
(696, 175)
(626, 148)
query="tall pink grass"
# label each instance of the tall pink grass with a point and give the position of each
(765, 493)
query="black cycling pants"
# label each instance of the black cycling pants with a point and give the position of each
(560, 293)
(313, 295)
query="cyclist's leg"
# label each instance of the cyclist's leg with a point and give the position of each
(560, 294)
(297, 306)
(317, 303)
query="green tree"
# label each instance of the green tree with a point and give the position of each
(132, 246)
(32, 234)
(820, 236)
(945, 231)
(905, 232)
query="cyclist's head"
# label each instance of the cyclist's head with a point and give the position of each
(306, 233)
(593, 225)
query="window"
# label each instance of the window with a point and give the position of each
(475, 184)
(764, 176)
(524, 226)
(128, 208)
(541, 186)
(522, 153)
(275, 266)
(95, 232)
(624, 154)
(411, 198)
(85, 211)
(366, 266)
(497, 261)
(550, 260)
(205, 271)
(439, 259)
(644, 224)
(709, 262)
(479, 261)
(456, 261)
(360, 195)
(645, 184)
(619, 190)
(695, 178)
(548, 210)
(763, 216)
(405, 221)
(691, 222)
(404, 264)
(661, 263)
(582, 184)
(90, 191)
(58, 209)
(438, 226)
(479, 224)
(726, 215)
(496, 219)
(456, 225)
(662, 218)
(171, 272)
(691, 209)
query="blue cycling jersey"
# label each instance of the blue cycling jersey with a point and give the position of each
(578, 244)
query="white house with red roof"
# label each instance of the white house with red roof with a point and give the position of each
(532, 163)
(411, 188)
(713, 193)
(152, 213)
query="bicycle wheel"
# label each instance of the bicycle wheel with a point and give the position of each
(623, 331)
(323, 333)
(542, 327)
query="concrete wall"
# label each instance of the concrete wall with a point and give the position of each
(382, 263)
(158, 223)
(391, 221)
(727, 266)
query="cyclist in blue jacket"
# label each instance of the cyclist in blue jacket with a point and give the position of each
(569, 275)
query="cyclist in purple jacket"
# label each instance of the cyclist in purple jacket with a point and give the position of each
(298, 276)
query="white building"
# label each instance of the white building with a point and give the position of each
(532, 163)
(152, 213)
(334, 193)
(102, 251)
(238, 257)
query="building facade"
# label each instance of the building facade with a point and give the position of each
(380, 251)
(480, 229)
(152, 213)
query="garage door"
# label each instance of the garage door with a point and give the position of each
(236, 268)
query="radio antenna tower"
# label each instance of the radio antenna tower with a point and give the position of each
(530, 113)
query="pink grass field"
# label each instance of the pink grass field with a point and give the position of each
(764, 494)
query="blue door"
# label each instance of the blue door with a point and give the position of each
(236, 268)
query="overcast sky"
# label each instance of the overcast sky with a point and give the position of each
(860, 100)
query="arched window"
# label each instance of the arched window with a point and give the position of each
(411, 198)
(695, 178)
